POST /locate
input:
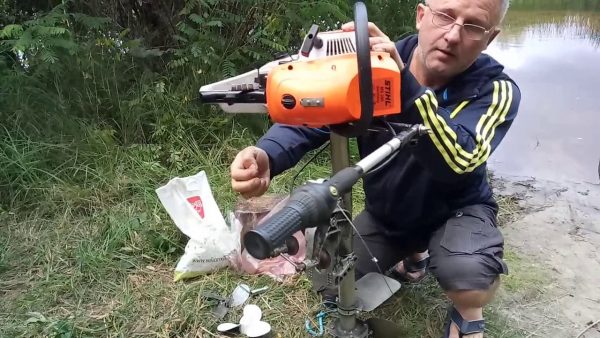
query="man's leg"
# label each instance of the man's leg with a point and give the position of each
(466, 259)
(373, 242)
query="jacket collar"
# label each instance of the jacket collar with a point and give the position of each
(465, 85)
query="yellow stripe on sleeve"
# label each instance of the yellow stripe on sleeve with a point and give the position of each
(434, 137)
(460, 160)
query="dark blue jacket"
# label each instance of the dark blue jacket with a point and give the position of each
(423, 185)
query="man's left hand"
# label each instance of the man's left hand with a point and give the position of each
(379, 41)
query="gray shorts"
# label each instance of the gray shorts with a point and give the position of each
(466, 251)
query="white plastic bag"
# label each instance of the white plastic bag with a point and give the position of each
(190, 204)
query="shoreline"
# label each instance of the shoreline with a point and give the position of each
(558, 229)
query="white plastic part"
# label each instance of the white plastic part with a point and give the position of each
(252, 315)
(258, 329)
(252, 311)
(227, 327)
(239, 295)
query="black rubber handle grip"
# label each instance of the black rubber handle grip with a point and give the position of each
(307, 207)
(260, 241)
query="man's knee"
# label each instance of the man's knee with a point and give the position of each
(465, 272)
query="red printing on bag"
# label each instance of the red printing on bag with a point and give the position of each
(196, 202)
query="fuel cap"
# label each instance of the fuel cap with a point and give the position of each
(288, 101)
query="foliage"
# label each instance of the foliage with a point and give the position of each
(82, 80)
(394, 17)
(221, 39)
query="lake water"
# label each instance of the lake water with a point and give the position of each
(552, 49)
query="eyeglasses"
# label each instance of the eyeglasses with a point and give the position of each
(446, 22)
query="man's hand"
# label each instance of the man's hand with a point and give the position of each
(250, 172)
(379, 41)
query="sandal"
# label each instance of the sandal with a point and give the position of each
(409, 267)
(465, 327)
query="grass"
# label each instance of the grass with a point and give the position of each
(86, 249)
(98, 260)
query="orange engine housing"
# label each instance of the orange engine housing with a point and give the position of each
(325, 91)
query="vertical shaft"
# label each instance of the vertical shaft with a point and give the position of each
(347, 286)
(340, 159)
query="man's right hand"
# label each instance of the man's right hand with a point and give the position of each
(250, 172)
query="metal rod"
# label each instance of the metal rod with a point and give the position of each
(347, 287)
(375, 157)
(340, 159)
(390, 147)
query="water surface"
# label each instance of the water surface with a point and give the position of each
(552, 49)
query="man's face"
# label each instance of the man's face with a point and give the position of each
(446, 53)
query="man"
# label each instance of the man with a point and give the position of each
(431, 208)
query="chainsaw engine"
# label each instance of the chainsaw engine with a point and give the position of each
(329, 82)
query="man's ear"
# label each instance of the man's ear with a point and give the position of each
(493, 36)
(420, 14)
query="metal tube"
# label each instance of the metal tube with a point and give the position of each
(390, 147)
(347, 286)
(380, 153)
(340, 159)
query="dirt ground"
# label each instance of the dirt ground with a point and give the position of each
(559, 231)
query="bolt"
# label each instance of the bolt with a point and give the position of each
(333, 191)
